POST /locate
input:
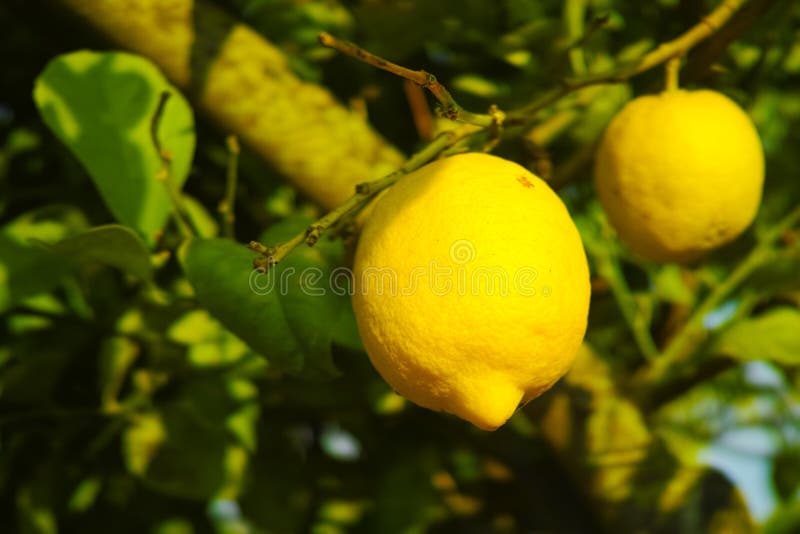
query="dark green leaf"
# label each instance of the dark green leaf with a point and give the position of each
(221, 272)
(112, 245)
(291, 315)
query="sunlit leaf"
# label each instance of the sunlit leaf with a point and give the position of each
(26, 270)
(101, 106)
(774, 336)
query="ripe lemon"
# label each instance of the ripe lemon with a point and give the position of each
(680, 173)
(471, 287)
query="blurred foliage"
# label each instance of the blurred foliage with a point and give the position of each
(145, 388)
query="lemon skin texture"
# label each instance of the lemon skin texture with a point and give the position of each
(680, 173)
(434, 326)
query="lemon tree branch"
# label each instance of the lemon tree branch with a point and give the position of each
(686, 342)
(450, 108)
(665, 51)
(476, 123)
(365, 192)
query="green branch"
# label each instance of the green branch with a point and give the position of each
(608, 267)
(686, 342)
(665, 51)
(364, 194)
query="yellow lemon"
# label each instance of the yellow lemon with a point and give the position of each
(680, 173)
(471, 287)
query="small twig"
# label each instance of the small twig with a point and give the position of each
(450, 108)
(678, 46)
(595, 25)
(164, 174)
(693, 334)
(364, 194)
(227, 204)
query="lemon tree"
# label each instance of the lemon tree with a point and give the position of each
(367, 365)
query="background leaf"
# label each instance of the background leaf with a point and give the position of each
(774, 336)
(112, 245)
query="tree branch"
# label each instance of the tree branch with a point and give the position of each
(364, 194)
(494, 121)
(677, 47)
(450, 108)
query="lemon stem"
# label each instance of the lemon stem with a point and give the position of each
(672, 68)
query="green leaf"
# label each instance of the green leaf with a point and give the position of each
(774, 336)
(208, 343)
(112, 245)
(290, 315)
(220, 272)
(101, 106)
(670, 286)
(27, 269)
(195, 446)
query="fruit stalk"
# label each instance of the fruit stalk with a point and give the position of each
(672, 69)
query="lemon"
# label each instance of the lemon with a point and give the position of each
(471, 287)
(680, 173)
